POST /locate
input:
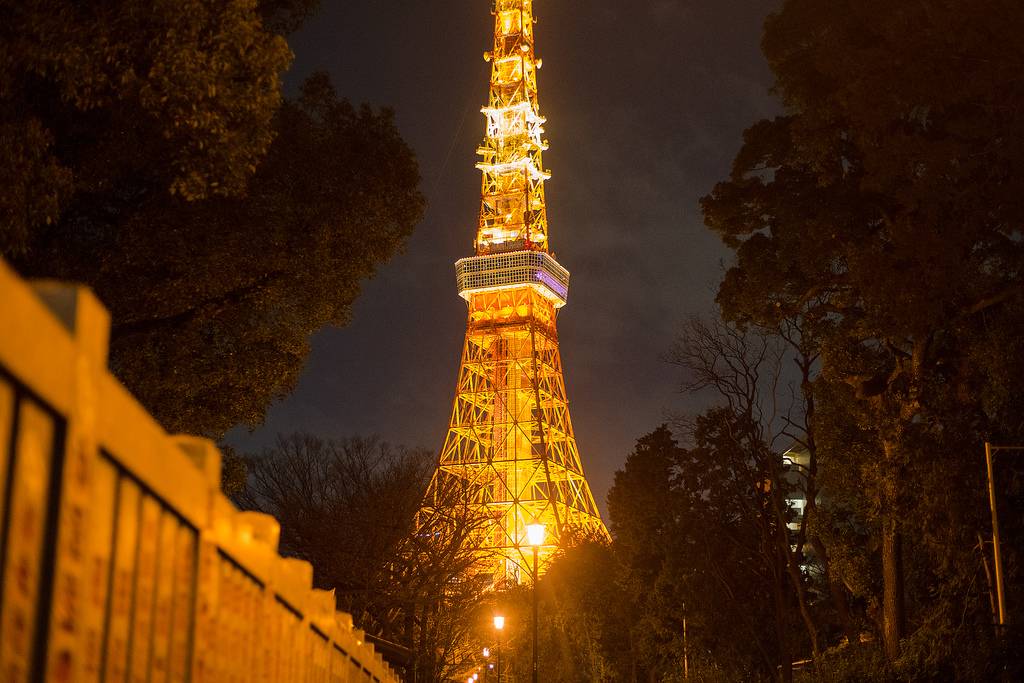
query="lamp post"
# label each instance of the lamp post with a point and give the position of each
(997, 556)
(487, 664)
(499, 625)
(535, 537)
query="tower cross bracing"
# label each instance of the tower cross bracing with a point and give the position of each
(510, 444)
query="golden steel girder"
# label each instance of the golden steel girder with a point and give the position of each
(510, 448)
(513, 214)
(510, 436)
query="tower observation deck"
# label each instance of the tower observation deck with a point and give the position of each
(510, 445)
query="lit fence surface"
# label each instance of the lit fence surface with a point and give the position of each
(120, 559)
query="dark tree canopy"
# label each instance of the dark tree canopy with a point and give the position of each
(214, 301)
(694, 536)
(344, 506)
(181, 95)
(352, 509)
(585, 615)
(885, 211)
(887, 202)
(147, 153)
(285, 16)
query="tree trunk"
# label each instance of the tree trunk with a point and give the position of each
(785, 673)
(797, 579)
(791, 562)
(893, 616)
(837, 591)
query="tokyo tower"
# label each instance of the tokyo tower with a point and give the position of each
(510, 444)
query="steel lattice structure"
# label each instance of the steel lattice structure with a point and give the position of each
(510, 442)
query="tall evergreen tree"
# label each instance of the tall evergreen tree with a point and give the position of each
(886, 207)
(147, 153)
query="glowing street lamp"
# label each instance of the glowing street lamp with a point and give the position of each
(535, 537)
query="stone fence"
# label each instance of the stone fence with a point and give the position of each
(120, 558)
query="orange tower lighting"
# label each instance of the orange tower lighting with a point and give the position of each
(510, 443)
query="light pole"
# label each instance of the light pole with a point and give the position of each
(535, 537)
(487, 664)
(499, 625)
(686, 650)
(997, 556)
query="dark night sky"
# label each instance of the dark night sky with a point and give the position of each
(646, 102)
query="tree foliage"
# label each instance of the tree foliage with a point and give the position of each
(884, 210)
(150, 156)
(697, 551)
(711, 549)
(96, 93)
(584, 620)
(286, 16)
(352, 509)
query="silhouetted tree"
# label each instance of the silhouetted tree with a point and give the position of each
(710, 555)
(750, 371)
(286, 16)
(885, 208)
(352, 509)
(644, 520)
(147, 153)
(585, 619)
(181, 93)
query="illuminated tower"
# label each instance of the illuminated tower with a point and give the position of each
(510, 441)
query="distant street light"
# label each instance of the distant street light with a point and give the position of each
(997, 556)
(535, 537)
